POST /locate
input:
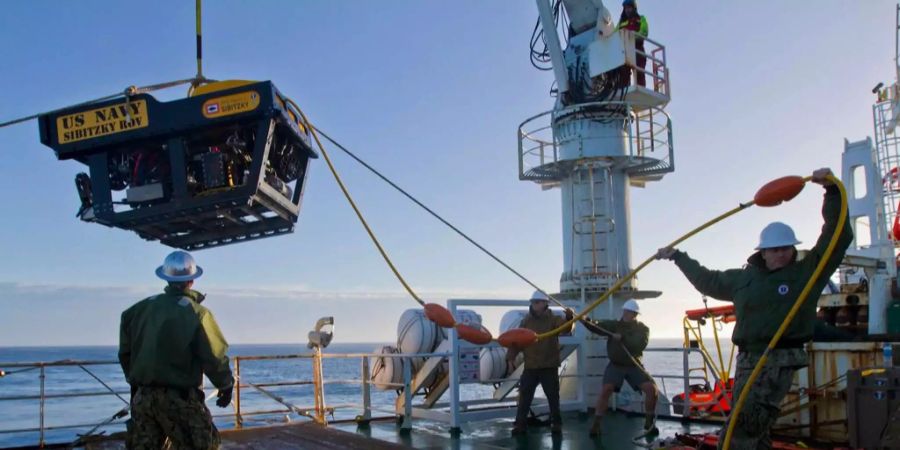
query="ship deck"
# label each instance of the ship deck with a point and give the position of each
(618, 431)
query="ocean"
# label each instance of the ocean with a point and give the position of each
(344, 373)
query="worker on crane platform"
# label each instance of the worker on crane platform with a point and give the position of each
(632, 20)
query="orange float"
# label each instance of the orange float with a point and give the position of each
(477, 336)
(439, 315)
(518, 338)
(777, 191)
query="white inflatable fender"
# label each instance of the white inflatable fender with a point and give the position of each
(385, 371)
(417, 334)
(492, 362)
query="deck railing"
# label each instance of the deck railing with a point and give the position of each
(317, 412)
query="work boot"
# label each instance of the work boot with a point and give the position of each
(650, 425)
(595, 426)
(518, 430)
(556, 428)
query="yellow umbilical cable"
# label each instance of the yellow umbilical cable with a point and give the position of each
(618, 285)
(359, 215)
(735, 412)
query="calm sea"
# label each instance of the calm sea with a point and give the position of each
(24, 413)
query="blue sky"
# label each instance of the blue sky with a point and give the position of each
(431, 93)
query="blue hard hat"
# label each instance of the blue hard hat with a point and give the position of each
(632, 3)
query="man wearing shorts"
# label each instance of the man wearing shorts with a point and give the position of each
(626, 340)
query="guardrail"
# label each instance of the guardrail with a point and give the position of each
(317, 413)
(648, 136)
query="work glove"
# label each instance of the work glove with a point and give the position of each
(224, 396)
(666, 253)
(570, 314)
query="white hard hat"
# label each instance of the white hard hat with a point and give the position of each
(179, 266)
(631, 305)
(539, 296)
(777, 234)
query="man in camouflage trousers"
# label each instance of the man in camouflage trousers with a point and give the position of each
(763, 293)
(166, 344)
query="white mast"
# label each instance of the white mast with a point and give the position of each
(604, 135)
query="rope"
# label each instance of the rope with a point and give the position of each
(349, 198)
(735, 413)
(127, 92)
(133, 90)
(437, 216)
(5, 373)
(79, 442)
(104, 384)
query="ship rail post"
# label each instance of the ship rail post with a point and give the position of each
(406, 424)
(686, 368)
(454, 374)
(366, 416)
(238, 420)
(43, 376)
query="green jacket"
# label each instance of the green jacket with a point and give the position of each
(762, 298)
(542, 354)
(636, 24)
(170, 340)
(635, 337)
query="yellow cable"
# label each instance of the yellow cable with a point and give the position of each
(618, 285)
(735, 412)
(362, 219)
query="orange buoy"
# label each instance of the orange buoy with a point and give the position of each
(477, 336)
(439, 315)
(518, 338)
(895, 230)
(780, 190)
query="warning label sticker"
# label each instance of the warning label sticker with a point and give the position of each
(103, 121)
(230, 104)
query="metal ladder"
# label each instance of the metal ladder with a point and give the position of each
(593, 221)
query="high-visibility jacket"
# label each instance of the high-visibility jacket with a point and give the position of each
(637, 24)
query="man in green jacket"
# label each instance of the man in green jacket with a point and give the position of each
(541, 362)
(763, 292)
(627, 339)
(167, 342)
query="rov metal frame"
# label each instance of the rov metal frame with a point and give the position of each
(178, 217)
